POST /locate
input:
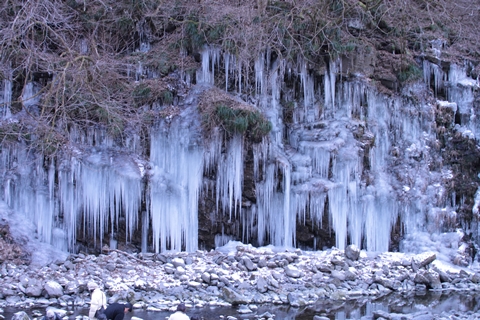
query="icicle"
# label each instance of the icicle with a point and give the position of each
(265, 192)
(259, 75)
(475, 211)
(30, 98)
(320, 154)
(249, 223)
(145, 230)
(301, 168)
(139, 72)
(144, 33)
(210, 60)
(27, 189)
(461, 91)
(84, 46)
(275, 214)
(378, 106)
(213, 151)
(352, 99)
(330, 79)
(355, 215)
(270, 104)
(230, 177)
(239, 74)
(455, 74)
(69, 199)
(317, 205)
(175, 185)
(104, 188)
(323, 160)
(113, 243)
(43, 207)
(289, 231)
(226, 58)
(299, 204)
(340, 202)
(430, 69)
(7, 96)
(205, 75)
(127, 191)
(311, 112)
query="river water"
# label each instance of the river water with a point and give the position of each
(434, 302)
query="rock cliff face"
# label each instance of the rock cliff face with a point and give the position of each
(302, 125)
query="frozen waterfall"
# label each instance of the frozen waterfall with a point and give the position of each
(346, 155)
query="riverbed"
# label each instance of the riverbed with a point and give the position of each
(440, 305)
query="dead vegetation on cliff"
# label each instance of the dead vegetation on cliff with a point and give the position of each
(10, 250)
(95, 62)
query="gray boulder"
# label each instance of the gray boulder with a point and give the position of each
(233, 297)
(21, 315)
(292, 271)
(34, 291)
(53, 288)
(352, 252)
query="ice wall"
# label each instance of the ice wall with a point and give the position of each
(322, 161)
(350, 152)
(28, 188)
(93, 188)
(347, 154)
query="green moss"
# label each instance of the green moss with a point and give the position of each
(409, 73)
(337, 6)
(164, 66)
(242, 121)
(350, 46)
(142, 93)
(198, 33)
(112, 121)
(147, 93)
(216, 33)
(166, 97)
(194, 39)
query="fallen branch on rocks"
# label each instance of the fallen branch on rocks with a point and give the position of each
(108, 250)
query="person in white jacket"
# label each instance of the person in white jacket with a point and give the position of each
(180, 313)
(98, 299)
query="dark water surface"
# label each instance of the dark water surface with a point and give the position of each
(434, 302)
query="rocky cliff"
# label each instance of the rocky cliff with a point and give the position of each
(158, 126)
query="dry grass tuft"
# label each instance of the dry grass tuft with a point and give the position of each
(214, 97)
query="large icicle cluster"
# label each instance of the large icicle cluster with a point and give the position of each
(176, 179)
(348, 154)
(325, 160)
(93, 190)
